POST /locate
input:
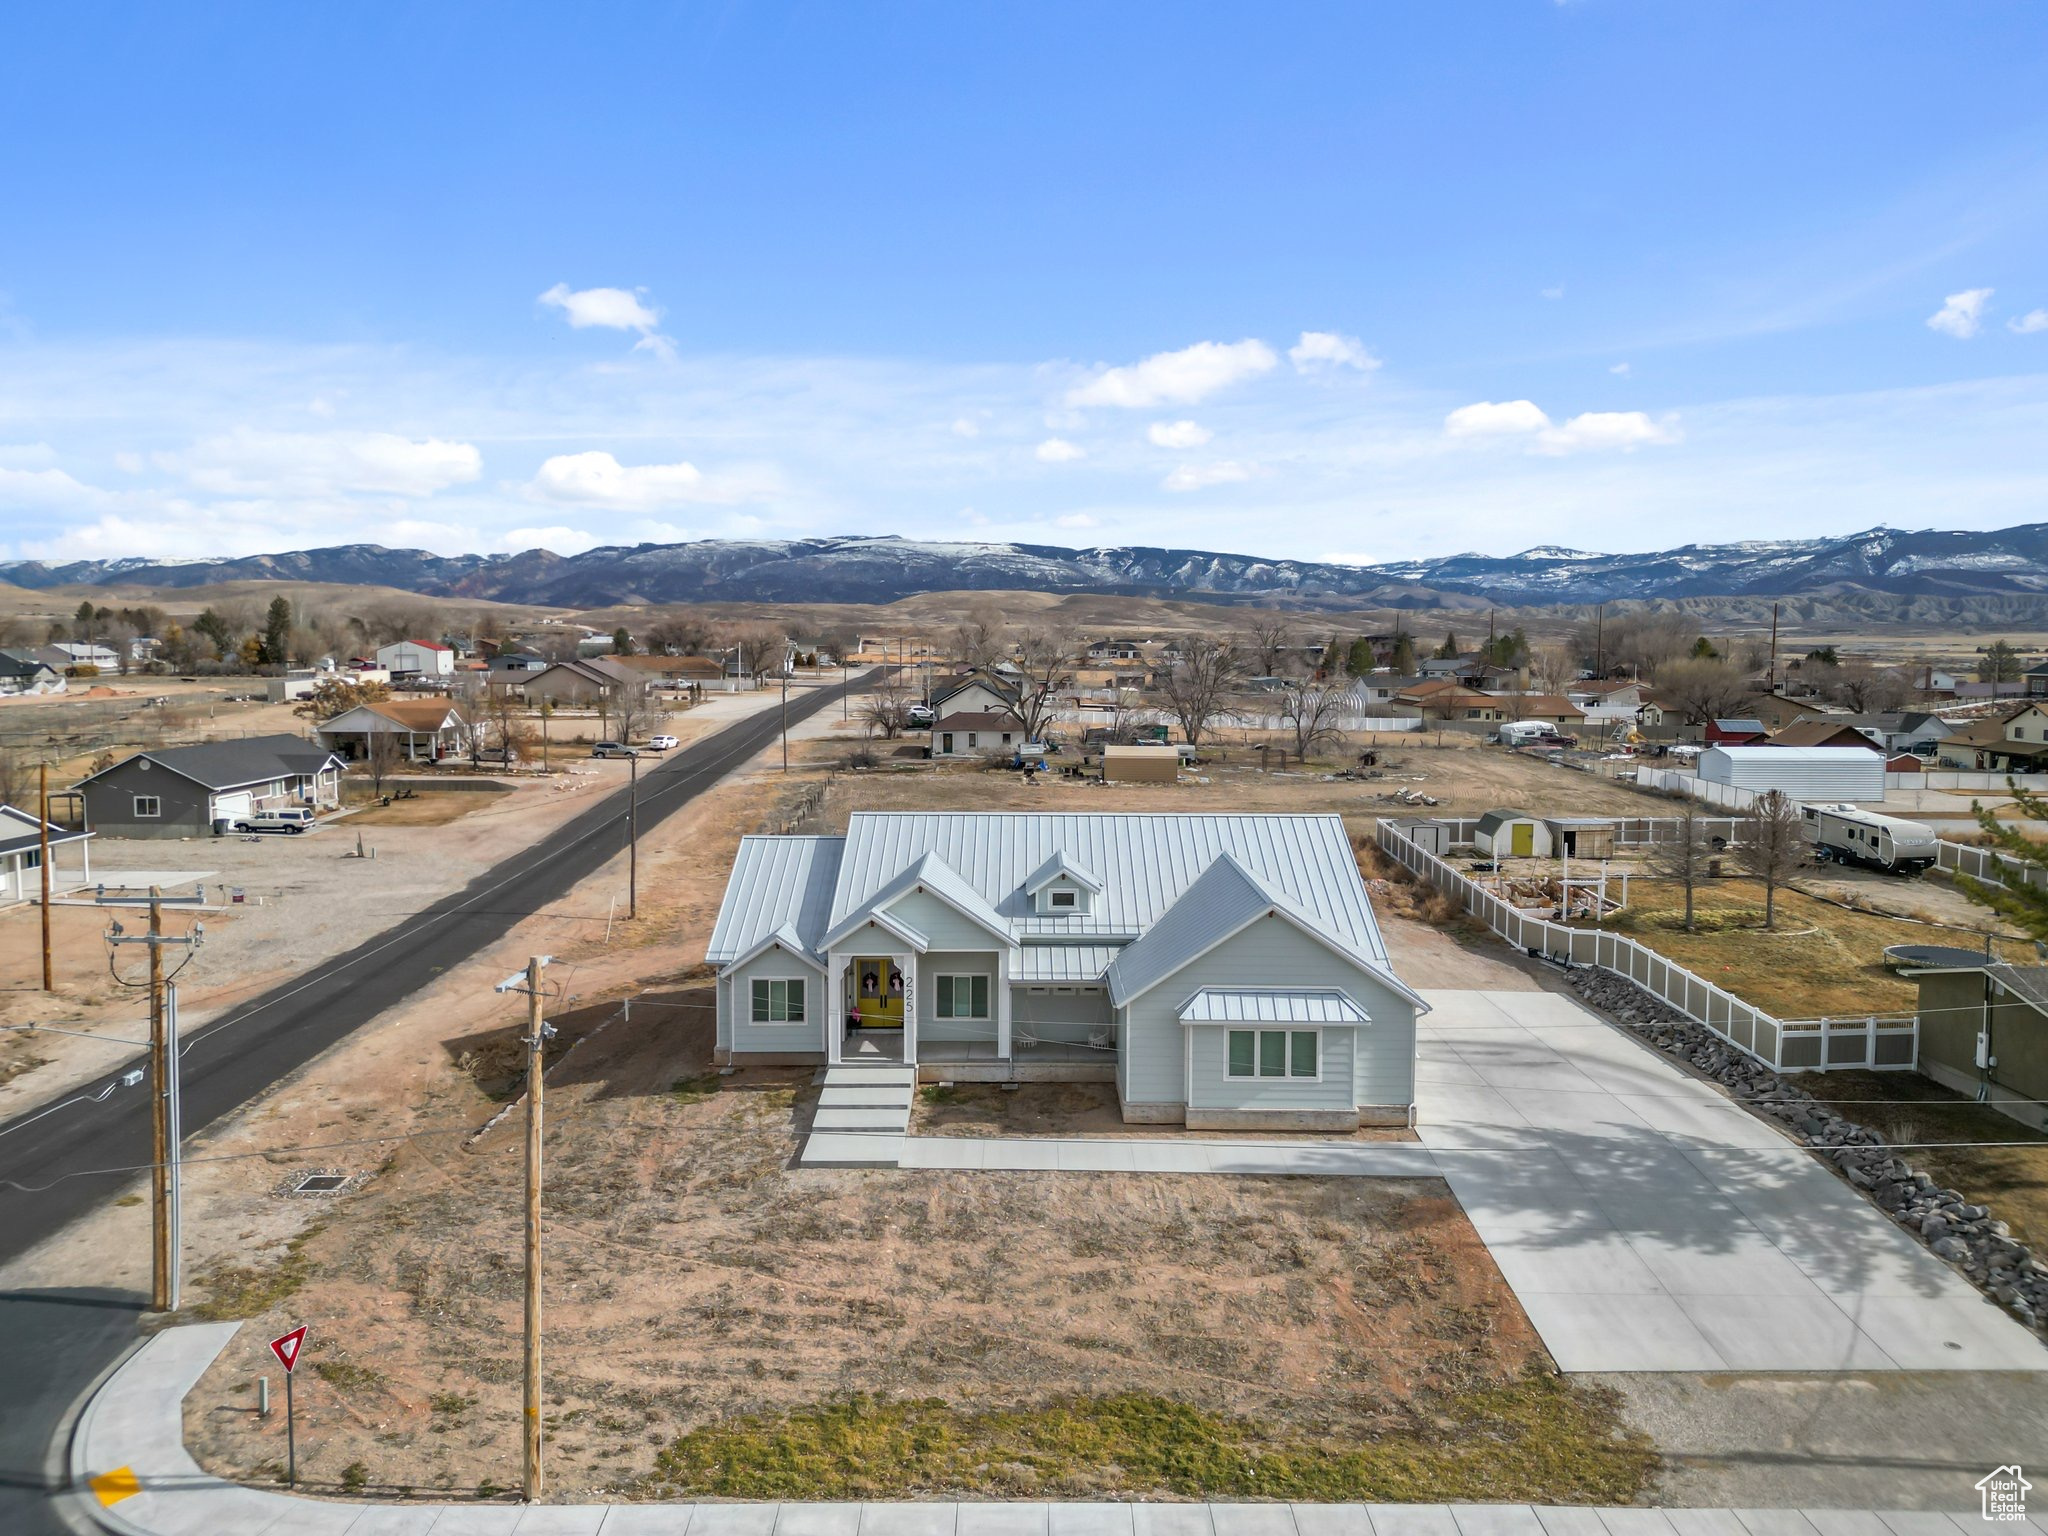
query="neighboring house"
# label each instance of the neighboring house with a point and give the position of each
(675, 671)
(1115, 650)
(977, 693)
(2036, 679)
(516, 666)
(1976, 1009)
(1738, 732)
(423, 730)
(1825, 731)
(2015, 740)
(23, 671)
(21, 855)
(582, 682)
(184, 791)
(1452, 701)
(1548, 708)
(1608, 693)
(416, 658)
(1223, 971)
(972, 733)
(65, 653)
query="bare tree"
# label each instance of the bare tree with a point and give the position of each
(1684, 855)
(1045, 665)
(885, 709)
(337, 695)
(380, 758)
(1200, 683)
(1311, 713)
(1270, 641)
(1773, 846)
(1868, 689)
(635, 709)
(977, 640)
(1553, 668)
(678, 634)
(759, 649)
(1704, 690)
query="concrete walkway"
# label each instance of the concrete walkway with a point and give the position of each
(129, 1461)
(1647, 1223)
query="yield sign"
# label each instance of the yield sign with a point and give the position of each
(287, 1348)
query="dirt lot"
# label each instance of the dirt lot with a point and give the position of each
(715, 1310)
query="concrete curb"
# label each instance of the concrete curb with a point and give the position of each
(134, 1424)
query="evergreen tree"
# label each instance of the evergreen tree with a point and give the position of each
(622, 641)
(277, 633)
(1359, 660)
(1448, 651)
(2019, 900)
(1403, 659)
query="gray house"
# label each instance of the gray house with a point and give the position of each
(1222, 971)
(184, 791)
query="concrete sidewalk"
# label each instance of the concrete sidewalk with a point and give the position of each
(131, 1469)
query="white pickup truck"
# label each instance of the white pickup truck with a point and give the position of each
(287, 819)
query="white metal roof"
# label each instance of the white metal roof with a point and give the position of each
(931, 874)
(1040, 964)
(775, 881)
(1272, 1005)
(1144, 862)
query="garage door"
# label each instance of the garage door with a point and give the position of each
(231, 807)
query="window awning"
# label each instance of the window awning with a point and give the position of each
(1272, 1005)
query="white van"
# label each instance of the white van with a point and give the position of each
(287, 819)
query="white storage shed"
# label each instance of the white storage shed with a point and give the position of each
(1803, 773)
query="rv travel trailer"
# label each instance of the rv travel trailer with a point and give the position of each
(1849, 835)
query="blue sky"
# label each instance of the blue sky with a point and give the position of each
(1331, 281)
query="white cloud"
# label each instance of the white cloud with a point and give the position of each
(966, 426)
(27, 456)
(562, 540)
(611, 309)
(1327, 348)
(1057, 450)
(1195, 477)
(1554, 293)
(1961, 314)
(1176, 378)
(1178, 434)
(246, 462)
(2026, 325)
(1075, 520)
(130, 462)
(1620, 368)
(973, 519)
(1622, 430)
(598, 479)
(46, 488)
(1491, 419)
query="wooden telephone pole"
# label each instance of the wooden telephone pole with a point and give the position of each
(43, 852)
(537, 1032)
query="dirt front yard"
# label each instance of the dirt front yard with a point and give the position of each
(723, 1324)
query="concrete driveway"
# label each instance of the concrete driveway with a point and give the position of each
(1649, 1224)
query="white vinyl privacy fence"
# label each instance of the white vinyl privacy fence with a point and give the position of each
(1788, 1045)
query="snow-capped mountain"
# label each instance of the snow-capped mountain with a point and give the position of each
(2011, 562)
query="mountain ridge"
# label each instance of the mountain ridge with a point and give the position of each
(1932, 564)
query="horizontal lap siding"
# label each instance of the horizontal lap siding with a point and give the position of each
(749, 1036)
(1270, 953)
(1211, 1086)
(953, 963)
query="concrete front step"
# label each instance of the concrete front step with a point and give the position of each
(894, 1121)
(838, 1150)
(877, 1096)
(859, 1072)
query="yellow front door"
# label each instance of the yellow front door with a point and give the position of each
(1524, 839)
(878, 994)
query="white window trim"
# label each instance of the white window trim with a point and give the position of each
(152, 815)
(802, 1023)
(1077, 906)
(944, 979)
(1289, 1076)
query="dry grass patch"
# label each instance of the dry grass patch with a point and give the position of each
(429, 808)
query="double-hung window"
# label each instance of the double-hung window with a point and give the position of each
(778, 1000)
(962, 997)
(147, 806)
(1275, 1053)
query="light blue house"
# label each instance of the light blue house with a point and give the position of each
(1223, 971)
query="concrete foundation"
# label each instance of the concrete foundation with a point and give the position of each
(1015, 1072)
(726, 1058)
(1153, 1114)
(1272, 1119)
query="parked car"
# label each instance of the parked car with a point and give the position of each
(661, 743)
(289, 819)
(922, 714)
(614, 749)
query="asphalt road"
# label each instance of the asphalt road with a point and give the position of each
(56, 1168)
(52, 1343)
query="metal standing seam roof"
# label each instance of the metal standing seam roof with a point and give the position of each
(1273, 1005)
(930, 873)
(231, 764)
(1041, 964)
(775, 881)
(1145, 863)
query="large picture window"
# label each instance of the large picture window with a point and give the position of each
(778, 1000)
(962, 997)
(1275, 1053)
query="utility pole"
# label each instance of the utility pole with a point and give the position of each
(785, 712)
(1600, 641)
(43, 852)
(633, 835)
(1771, 677)
(537, 1032)
(164, 1123)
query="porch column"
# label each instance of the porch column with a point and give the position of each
(85, 858)
(907, 964)
(1002, 1005)
(835, 1009)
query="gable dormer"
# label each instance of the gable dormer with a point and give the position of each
(1062, 888)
